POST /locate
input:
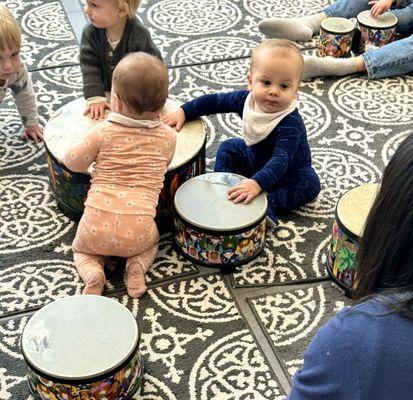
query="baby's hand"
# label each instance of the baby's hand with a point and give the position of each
(34, 132)
(97, 110)
(379, 7)
(245, 191)
(175, 118)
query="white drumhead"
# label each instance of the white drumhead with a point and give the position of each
(354, 207)
(68, 126)
(189, 140)
(337, 25)
(203, 202)
(80, 337)
(383, 21)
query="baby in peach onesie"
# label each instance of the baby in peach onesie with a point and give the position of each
(131, 151)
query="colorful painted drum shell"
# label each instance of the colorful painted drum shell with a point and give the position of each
(99, 358)
(70, 188)
(213, 231)
(218, 249)
(121, 384)
(336, 36)
(376, 32)
(341, 257)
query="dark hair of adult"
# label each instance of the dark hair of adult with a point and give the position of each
(385, 254)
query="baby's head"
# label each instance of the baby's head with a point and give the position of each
(103, 13)
(139, 86)
(10, 43)
(275, 74)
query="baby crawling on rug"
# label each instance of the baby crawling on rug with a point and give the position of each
(131, 151)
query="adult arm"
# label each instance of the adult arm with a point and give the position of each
(328, 371)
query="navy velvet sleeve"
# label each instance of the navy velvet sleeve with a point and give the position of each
(216, 103)
(328, 372)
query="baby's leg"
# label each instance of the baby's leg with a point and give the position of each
(293, 193)
(90, 268)
(136, 268)
(232, 157)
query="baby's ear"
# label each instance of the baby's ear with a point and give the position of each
(249, 80)
(123, 10)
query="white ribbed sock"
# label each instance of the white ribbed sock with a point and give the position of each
(297, 29)
(328, 66)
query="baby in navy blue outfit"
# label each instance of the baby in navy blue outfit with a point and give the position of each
(273, 154)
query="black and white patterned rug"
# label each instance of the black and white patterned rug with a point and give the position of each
(354, 126)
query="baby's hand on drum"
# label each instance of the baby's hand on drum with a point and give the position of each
(379, 7)
(34, 132)
(97, 110)
(175, 118)
(245, 191)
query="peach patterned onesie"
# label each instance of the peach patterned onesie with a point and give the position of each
(131, 158)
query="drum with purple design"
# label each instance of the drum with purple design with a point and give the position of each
(375, 32)
(83, 347)
(351, 214)
(336, 36)
(214, 231)
(68, 126)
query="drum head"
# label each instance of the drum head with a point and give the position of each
(337, 25)
(189, 140)
(203, 202)
(384, 21)
(80, 337)
(68, 126)
(354, 207)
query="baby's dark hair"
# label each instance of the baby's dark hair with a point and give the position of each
(10, 34)
(141, 81)
(283, 46)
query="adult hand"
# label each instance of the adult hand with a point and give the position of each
(245, 191)
(175, 118)
(97, 110)
(379, 7)
(34, 132)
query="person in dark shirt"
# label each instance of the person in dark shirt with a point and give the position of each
(273, 153)
(113, 32)
(365, 352)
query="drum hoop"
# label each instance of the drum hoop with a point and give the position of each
(338, 33)
(90, 379)
(219, 232)
(54, 159)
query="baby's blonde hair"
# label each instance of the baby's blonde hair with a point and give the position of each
(283, 45)
(10, 34)
(131, 6)
(141, 81)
